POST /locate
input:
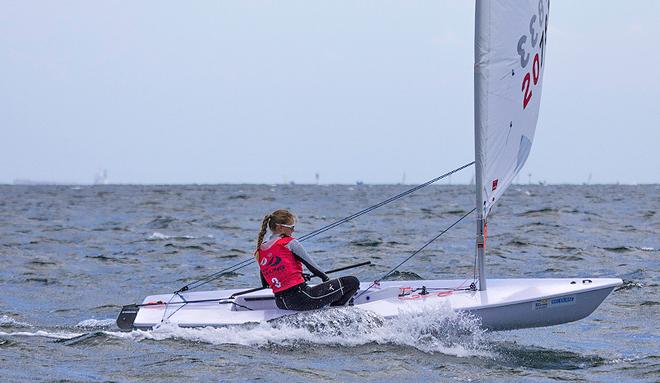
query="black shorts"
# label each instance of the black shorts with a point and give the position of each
(335, 292)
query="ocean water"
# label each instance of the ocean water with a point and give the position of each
(73, 255)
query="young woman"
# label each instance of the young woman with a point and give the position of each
(280, 261)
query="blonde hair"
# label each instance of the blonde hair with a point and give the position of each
(271, 221)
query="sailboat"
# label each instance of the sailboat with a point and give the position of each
(510, 50)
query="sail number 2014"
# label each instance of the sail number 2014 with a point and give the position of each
(533, 43)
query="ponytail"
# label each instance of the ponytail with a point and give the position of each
(271, 221)
(262, 234)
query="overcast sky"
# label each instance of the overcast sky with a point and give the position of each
(276, 91)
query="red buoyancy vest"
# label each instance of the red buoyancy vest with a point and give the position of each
(279, 266)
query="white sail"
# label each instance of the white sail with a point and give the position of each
(510, 39)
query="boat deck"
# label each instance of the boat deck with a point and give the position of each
(508, 303)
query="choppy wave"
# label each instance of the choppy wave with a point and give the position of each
(542, 358)
(70, 254)
(161, 222)
(625, 249)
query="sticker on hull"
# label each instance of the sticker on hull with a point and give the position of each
(553, 302)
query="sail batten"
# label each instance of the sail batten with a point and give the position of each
(510, 38)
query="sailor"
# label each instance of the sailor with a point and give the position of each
(280, 262)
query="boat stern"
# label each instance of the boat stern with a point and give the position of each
(127, 316)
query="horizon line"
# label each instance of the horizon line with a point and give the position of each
(55, 183)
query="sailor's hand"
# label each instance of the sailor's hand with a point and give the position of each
(307, 277)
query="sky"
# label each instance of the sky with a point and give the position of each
(279, 91)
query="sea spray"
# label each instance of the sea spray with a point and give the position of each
(435, 327)
(428, 327)
(334, 323)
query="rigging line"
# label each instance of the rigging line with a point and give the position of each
(162, 319)
(240, 265)
(208, 278)
(185, 302)
(171, 315)
(204, 281)
(214, 276)
(416, 252)
(376, 206)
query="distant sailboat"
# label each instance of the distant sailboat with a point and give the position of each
(510, 41)
(101, 178)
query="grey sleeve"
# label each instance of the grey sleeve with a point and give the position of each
(297, 249)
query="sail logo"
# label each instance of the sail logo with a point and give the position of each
(534, 41)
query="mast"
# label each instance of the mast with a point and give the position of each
(481, 21)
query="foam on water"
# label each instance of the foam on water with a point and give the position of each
(6, 321)
(156, 236)
(44, 334)
(96, 323)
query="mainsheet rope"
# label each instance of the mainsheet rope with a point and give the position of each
(246, 262)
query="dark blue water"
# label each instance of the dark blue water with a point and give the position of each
(71, 256)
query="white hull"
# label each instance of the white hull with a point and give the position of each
(507, 304)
